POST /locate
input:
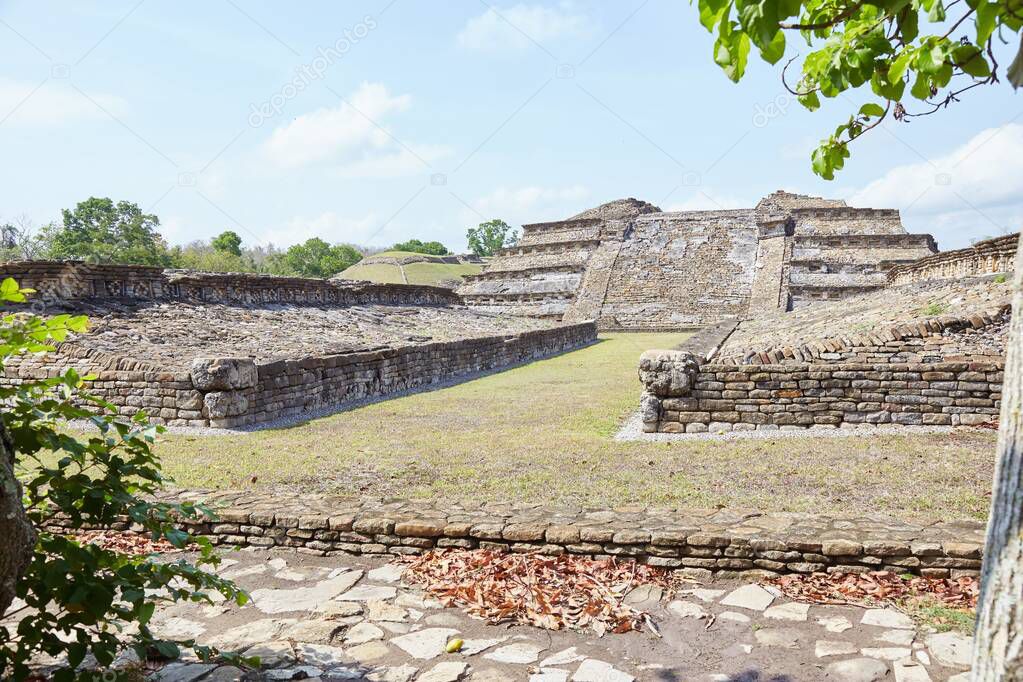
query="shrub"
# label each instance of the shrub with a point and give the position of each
(79, 598)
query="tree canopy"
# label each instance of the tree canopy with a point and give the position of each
(102, 231)
(416, 246)
(317, 258)
(918, 56)
(228, 242)
(491, 236)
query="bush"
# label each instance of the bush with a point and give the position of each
(79, 598)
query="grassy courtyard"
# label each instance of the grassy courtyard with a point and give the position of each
(543, 433)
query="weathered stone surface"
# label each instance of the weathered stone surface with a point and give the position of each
(519, 652)
(856, 670)
(950, 648)
(887, 618)
(305, 598)
(425, 644)
(752, 597)
(592, 670)
(223, 374)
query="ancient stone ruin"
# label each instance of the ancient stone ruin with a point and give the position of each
(230, 350)
(812, 314)
(629, 265)
(925, 349)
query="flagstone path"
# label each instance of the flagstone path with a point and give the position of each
(342, 618)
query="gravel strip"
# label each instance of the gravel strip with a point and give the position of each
(632, 430)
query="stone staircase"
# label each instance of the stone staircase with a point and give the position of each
(590, 297)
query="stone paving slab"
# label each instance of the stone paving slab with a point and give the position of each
(701, 541)
(345, 640)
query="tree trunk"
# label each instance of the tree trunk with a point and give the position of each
(998, 643)
(18, 536)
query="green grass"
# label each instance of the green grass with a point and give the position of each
(423, 272)
(431, 273)
(929, 612)
(542, 432)
(934, 309)
(378, 272)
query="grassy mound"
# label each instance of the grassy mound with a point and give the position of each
(399, 267)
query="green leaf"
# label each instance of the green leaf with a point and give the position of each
(711, 12)
(775, 50)
(810, 101)
(937, 12)
(872, 109)
(921, 88)
(1015, 71)
(900, 65)
(987, 14)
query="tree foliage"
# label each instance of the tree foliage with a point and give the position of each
(917, 56)
(317, 258)
(416, 246)
(228, 242)
(489, 237)
(81, 599)
(104, 232)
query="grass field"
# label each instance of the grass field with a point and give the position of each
(543, 432)
(430, 272)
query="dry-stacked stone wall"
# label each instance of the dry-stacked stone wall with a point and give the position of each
(764, 397)
(241, 391)
(986, 257)
(721, 541)
(64, 281)
(769, 374)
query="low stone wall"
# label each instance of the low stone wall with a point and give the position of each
(683, 397)
(62, 281)
(983, 258)
(699, 541)
(232, 392)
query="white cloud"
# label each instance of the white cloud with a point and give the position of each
(344, 134)
(328, 226)
(971, 193)
(985, 171)
(517, 27)
(401, 161)
(53, 103)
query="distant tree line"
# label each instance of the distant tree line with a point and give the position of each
(103, 231)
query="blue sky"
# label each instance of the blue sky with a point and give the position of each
(373, 122)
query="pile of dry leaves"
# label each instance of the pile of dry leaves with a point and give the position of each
(877, 588)
(133, 544)
(552, 592)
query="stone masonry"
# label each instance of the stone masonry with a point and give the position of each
(629, 265)
(213, 350)
(927, 352)
(729, 541)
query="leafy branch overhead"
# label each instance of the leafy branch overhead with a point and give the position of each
(918, 56)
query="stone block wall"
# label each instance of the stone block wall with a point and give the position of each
(678, 270)
(716, 397)
(288, 388)
(983, 258)
(725, 542)
(645, 269)
(63, 281)
(233, 392)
